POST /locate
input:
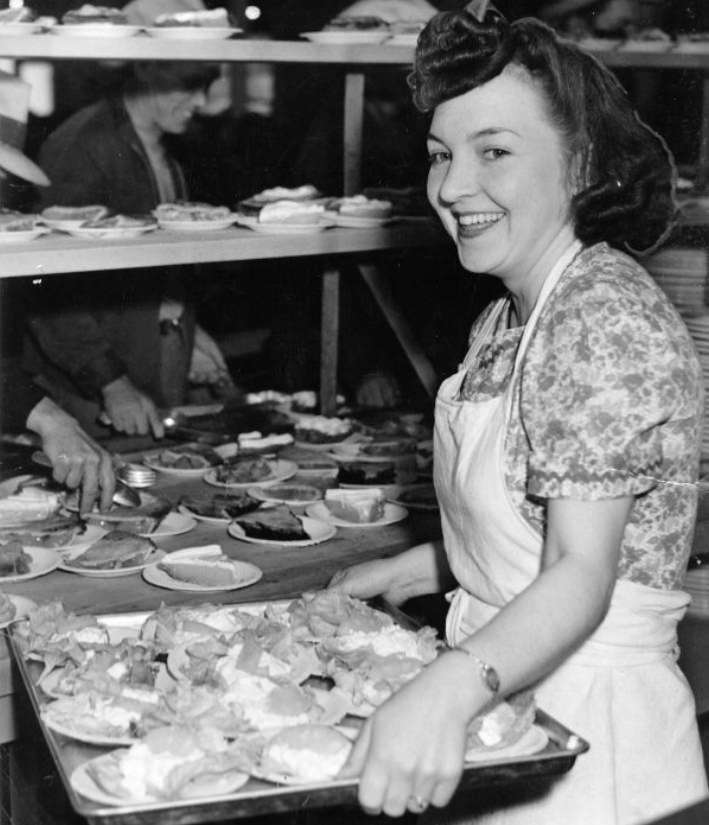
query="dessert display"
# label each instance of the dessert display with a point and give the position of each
(275, 524)
(358, 506)
(104, 15)
(244, 471)
(13, 221)
(301, 205)
(183, 211)
(367, 473)
(207, 695)
(213, 18)
(115, 550)
(321, 429)
(185, 457)
(360, 206)
(72, 214)
(221, 505)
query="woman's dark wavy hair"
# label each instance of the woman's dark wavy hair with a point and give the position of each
(627, 172)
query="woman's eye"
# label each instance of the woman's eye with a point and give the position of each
(436, 158)
(495, 153)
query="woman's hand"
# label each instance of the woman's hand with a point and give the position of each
(407, 759)
(369, 579)
(77, 460)
(208, 365)
(130, 410)
(417, 571)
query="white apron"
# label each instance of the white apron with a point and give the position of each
(622, 690)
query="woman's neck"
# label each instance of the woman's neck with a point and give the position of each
(525, 291)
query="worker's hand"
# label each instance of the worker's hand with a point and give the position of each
(370, 579)
(208, 365)
(130, 410)
(378, 389)
(77, 460)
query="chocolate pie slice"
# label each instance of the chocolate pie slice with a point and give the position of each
(276, 524)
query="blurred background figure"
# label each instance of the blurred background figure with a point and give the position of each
(77, 460)
(127, 345)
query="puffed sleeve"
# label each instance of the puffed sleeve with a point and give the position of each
(610, 373)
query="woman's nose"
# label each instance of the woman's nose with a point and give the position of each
(460, 180)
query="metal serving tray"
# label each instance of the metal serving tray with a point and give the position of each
(258, 797)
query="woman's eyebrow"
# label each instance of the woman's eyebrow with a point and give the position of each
(490, 131)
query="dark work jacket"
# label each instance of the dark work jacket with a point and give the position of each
(87, 330)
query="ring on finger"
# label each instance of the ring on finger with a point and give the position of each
(417, 804)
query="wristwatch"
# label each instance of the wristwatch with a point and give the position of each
(488, 674)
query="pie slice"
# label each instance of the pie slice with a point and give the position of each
(276, 524)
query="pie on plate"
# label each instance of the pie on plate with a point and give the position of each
(279, 525)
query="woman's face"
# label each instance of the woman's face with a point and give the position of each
(498, 179)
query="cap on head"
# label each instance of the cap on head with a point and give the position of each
(14, 104)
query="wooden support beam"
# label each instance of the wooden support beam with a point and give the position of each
(329, 340)
(381, 291)
(352, 138)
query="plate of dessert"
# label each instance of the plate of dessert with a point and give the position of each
(322, 432)
(297, 495)
(18, 563)
(193, 216)
(170, 763)
(359, 212)
(186, 461)
(114, 228)
(357, 508)
(250, 472)
(66, 218)
(219, 508)
(205, 24)
(303, 754)
(279, 525)
(321, 468)
(94, 718)
(283, 226)
(97, 29)
(201, 569)
(117, 553)
(16, 227)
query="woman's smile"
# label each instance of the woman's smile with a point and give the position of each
(472, 224)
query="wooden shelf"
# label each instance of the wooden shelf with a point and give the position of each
(55, 254)
(54, 46)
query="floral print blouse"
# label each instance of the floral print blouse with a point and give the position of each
(607, 403)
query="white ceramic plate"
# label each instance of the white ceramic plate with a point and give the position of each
(392, 514)
(252, 222)
(75, 732)
(111, 233)
(344, 37)
(97, 30)
(317, 530)
(82, 782)
(198, 226)
(281, 470)
(174, 524)
(248, 574)
(356, 221)
(416, 497)
(192, 32)
(24, 235)
(402, 40)
(91, 533)
(183, 508)
(43, 562)
(21, 28)
(22, 608)
(287, 779)
(72, 553)
(533, 741)
(297, 495)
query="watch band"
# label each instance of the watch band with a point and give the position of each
(488, 674)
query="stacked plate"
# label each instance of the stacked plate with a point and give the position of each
(681, 273)
(137, 475)
(697, 585)
(698, 327)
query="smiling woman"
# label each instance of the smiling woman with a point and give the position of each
(566, 445)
